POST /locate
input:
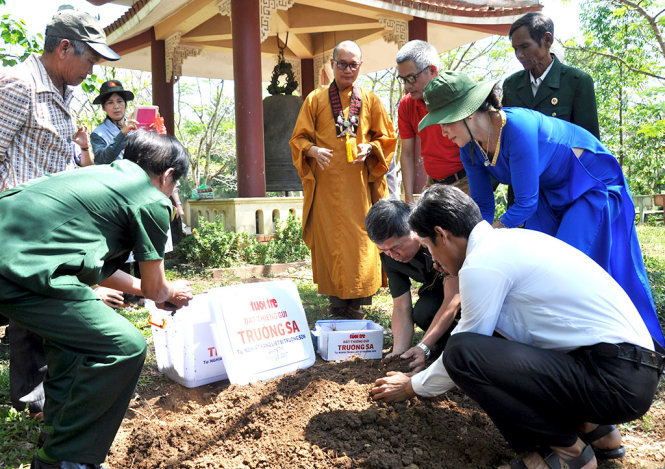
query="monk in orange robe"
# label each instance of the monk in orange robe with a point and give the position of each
(342, 146)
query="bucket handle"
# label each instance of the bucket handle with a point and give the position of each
(161, 326)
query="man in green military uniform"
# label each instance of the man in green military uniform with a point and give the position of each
(62, 233)
(546, 85)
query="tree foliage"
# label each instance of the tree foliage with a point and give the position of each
(623, 50)
(18, 43)
(206, 126)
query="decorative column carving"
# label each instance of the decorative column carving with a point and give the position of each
(397, 30)
(320, 62)
(224, 7)
(176, 55)
(266, 8)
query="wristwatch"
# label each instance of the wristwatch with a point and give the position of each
(425, 349)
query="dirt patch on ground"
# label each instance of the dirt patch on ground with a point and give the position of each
(323, 417)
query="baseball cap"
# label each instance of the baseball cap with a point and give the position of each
(80, 26)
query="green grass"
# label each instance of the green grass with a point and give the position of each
(19, 432)
(652, 240)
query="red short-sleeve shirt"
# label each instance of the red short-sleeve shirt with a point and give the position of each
(440, 155)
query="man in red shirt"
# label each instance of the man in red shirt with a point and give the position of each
(417, 63)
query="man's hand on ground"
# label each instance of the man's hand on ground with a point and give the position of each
(417, 357)
(394, 387)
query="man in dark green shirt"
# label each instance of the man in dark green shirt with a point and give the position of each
(546, 85)
(403, 260)
(63, 233)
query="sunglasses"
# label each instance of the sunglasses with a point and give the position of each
(410, 79)
(343, 65)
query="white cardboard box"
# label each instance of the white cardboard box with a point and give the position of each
(341, 339)
(263, 330)
(186, 346)
(259, 328)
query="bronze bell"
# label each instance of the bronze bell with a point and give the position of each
(280, 113)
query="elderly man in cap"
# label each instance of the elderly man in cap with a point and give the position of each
(38, 136)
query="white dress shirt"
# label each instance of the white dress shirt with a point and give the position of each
(537, 290)
(536, 82)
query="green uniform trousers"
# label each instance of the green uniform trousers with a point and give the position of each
(94, 359)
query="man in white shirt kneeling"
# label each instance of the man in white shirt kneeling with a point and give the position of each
(574, 358)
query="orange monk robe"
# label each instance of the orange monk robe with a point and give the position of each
(345, 263)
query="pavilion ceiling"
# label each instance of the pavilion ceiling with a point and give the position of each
(198, 32)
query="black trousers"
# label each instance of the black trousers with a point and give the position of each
(539, 397)
(27, 368)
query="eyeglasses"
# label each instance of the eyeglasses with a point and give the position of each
(343, 65)
(411, 79)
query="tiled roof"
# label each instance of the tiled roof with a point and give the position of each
(129, 14)
(492, 8)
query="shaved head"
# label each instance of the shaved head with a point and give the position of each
(348, 46)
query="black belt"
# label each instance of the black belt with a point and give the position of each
(631, 353)
(451, 179)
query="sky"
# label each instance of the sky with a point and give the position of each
(37, 18)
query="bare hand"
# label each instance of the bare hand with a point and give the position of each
(179, 211)
(129, 125)
(409, 199)
(498, 224)
(417, 357)
(110, 296)
(182, 293)
(364, 150)
(322, 156)
(394, 387)
(81, 137)
(392, 354)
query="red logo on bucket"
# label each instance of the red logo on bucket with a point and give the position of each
(356, 336)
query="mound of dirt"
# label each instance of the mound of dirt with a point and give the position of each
(323, 417)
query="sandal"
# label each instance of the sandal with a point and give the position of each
(598, 433)
(556, 461)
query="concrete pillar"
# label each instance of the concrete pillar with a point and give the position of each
(162, 91)
(248, 103)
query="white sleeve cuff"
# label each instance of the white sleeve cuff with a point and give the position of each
(433, 380)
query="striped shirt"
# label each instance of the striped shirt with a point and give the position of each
(36, 127)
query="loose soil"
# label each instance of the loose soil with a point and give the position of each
(323, 417)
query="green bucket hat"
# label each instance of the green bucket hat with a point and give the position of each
(451, 97)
